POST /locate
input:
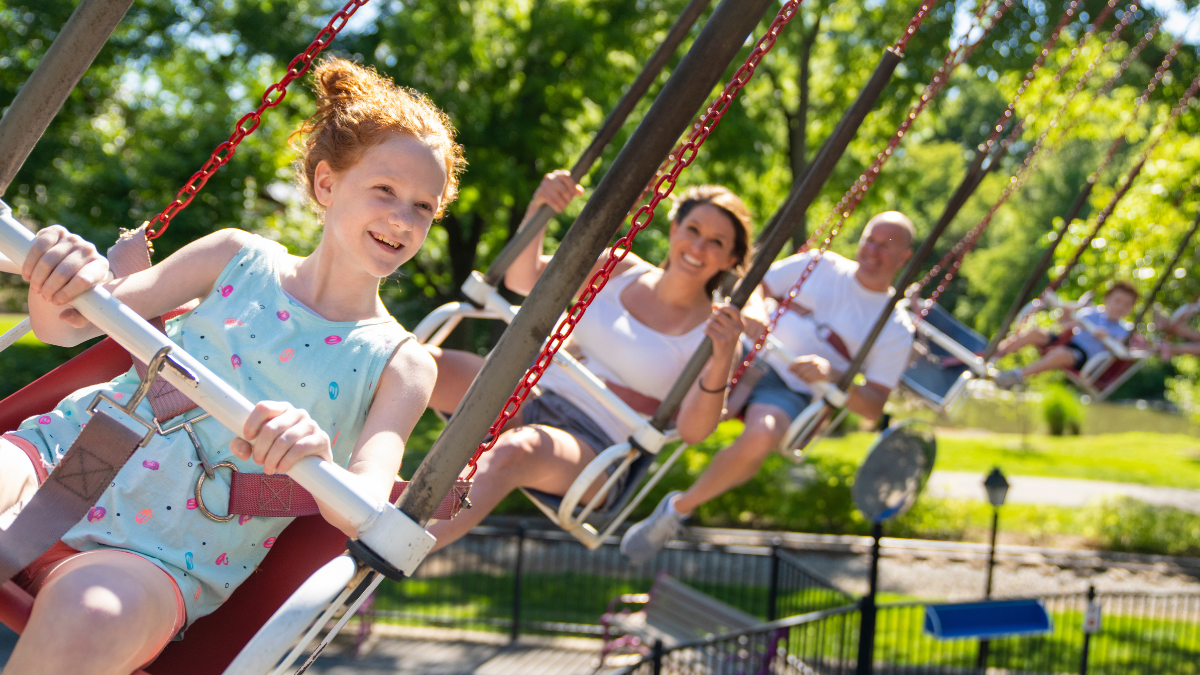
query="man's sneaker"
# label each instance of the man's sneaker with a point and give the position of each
(645, 539)
(1007, 379)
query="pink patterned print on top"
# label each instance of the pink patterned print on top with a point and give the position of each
(226, 290)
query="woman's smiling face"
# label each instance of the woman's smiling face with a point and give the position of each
(380, 209)
(702, 243)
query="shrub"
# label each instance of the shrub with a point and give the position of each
(1126, 524)
(1063, 412)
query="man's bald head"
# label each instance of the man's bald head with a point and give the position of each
(897, 219)
(885, 245)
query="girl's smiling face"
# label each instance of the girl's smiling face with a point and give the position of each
(380, 210)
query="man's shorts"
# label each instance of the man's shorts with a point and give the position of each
(772, 390)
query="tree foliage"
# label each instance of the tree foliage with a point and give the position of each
(528, 82)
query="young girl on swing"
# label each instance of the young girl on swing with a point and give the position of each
(337, 378)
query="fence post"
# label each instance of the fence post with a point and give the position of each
(516, 605)
(1087, 631)
(656, 657)
(866, 630)
(773, 588)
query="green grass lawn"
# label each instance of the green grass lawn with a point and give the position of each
(1171, 460)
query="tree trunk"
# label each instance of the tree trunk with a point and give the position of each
(798, 124)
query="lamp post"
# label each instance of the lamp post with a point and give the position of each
(997, 489)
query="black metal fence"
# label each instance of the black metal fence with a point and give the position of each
(531, 580)
(527, 580)
(1139, 634)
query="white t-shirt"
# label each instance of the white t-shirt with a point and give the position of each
(618, 348)
(841, 304)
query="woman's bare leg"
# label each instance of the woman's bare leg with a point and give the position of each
(100, 613)
(538, 457)
(456, 370)
(18, 482)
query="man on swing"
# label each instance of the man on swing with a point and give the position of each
(826, 325)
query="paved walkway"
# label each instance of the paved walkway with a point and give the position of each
(1059, 491)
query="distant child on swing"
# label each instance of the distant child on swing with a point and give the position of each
(1073, 345)
(309, 337)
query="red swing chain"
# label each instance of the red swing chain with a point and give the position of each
(955, 256)
(858, 190)
(272, 97)
(1127, 181)
(662, 189)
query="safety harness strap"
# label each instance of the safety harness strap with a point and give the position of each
(278, 496)
(71, 490)
(131, 254)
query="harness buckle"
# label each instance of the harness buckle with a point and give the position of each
(161, 358)
(200, 498)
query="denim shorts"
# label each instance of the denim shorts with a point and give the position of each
(772, 390)
(551, 410)
(1081, 356)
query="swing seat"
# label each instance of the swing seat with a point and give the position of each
(947, 359)
(1104, 373)
(213, 641)
(592, 522)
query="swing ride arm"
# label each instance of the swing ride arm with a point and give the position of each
(530, 228)
(785, 220)
(1162, 278)
(687, 89)
(36, 104)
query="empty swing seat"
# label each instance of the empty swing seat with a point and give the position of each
(946, 349)
(988, 619)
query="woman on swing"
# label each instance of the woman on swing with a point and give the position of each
(637, 336)
(309, 337)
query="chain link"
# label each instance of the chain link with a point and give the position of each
(1127, 182)
(272, 97)
(953, 259)
(662, 189)
(854, 196)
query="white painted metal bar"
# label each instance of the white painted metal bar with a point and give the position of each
(15, 333)
(826, 390)
(328, 483)
(969, 358)
(272, 641)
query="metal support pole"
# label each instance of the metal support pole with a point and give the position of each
(866, 631)
(519, 569)
(612, 124)
(981, 663)
(785, 222)
(773, 588)
(1087, 637)
(656, 657)
(47, 88)
(687, 89)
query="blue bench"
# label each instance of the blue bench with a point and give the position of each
(990, 619)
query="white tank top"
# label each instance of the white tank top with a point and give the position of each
(618, 348)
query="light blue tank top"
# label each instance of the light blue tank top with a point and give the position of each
(267, 346)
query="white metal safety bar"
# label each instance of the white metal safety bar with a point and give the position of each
(389, 533)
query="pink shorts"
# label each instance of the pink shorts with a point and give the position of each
(34, 577)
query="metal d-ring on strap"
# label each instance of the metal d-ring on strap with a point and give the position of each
(161, 359)
(200, 498)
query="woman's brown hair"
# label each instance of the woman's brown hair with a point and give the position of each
(356, 109)
(734, 208)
